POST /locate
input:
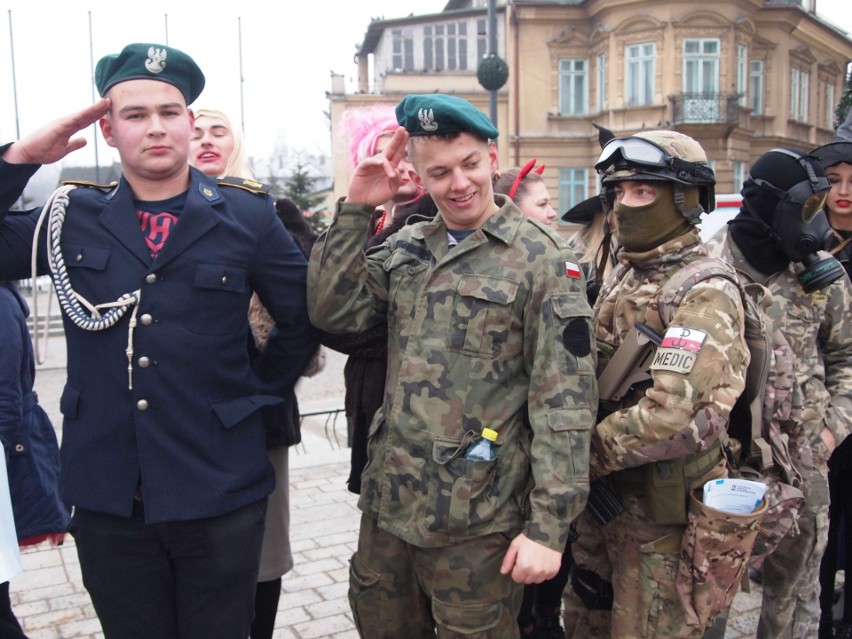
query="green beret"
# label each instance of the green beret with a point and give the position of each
(437, 114)
(140, 61)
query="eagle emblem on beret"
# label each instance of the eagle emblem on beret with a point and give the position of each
(156, 61)
(427, 120)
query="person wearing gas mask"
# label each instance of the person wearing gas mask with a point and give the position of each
(775, 241)
(624, 582)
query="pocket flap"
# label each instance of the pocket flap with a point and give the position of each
(570, 419)
(83, 256)
(221, 277)
(569, 305)
(497, 290)
(234, 411)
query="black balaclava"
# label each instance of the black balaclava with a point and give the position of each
(751, 229)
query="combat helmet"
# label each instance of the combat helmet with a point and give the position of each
(667, 156)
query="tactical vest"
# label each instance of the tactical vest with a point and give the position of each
(756, 445)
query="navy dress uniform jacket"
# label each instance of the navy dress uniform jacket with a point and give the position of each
(190, 430)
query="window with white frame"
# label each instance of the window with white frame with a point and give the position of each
(445, 46)
(481, 39)
(829, 105)
(573, 186)
(573, 87)
(739, 175)
(799, 87)
(756, 86)
(742, 73)
(403, 49)
(601, 81)
(640, 60)
(701, 66)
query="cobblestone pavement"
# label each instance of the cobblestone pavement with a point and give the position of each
(51, 603)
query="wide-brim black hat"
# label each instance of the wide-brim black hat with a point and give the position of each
(584, 212)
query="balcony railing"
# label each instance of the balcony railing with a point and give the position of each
(705, 108)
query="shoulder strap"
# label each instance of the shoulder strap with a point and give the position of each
(245, 184)
(700, 268)
(86, 183)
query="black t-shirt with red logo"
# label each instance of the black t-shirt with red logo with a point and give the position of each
(157, 219)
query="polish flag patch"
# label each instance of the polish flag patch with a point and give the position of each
(685, 339)
(678, 351)
(572, 270)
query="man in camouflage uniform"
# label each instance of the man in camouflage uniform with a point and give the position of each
(662, 438)
(769, 242)
(489, 327)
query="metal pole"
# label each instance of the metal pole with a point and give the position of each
(492, 49)
(242, 79)
(14, 79)
(20, 201)
(95, 125)
(166, 17)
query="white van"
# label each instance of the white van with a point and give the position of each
(727, 206)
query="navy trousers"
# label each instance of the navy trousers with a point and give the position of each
(175, 580)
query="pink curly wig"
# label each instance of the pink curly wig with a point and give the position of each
(364, 126)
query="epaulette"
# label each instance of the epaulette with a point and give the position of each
(92, 185)
(246, 185)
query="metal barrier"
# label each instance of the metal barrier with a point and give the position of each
(331, 416)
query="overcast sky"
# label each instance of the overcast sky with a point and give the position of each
(286, 61)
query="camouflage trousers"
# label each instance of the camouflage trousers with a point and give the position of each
(456, 592)
(641, 560)
(790, 608)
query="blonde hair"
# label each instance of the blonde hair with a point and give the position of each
(238, 165)
(588, 242)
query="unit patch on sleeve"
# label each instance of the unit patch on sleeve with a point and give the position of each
(678, 350)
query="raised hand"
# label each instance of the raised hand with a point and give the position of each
(54, 141)
(377, 178)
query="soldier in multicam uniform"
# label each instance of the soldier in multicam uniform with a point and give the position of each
(489, 327)
(774, 241)
(662, 438)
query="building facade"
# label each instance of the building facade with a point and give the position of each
(740, 76)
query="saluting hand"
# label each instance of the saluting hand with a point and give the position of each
(377, 178)
(54, 141)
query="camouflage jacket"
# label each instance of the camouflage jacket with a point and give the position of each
(819, 328)
(678, 412)
(494, 332)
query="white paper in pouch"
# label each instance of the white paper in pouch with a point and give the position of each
(736, 496)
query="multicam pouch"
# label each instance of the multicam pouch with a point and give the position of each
(783, 505)
(714, 556)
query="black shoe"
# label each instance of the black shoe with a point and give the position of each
(843, 630)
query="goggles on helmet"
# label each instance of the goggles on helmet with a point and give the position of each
(809, 195)
(635, 151)
(639, 153)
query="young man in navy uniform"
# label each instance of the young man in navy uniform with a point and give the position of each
(163, 449)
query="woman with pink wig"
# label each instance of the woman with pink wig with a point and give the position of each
(369, 130)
